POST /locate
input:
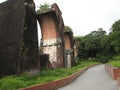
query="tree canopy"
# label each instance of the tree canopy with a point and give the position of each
(99, 45)
(115, 37)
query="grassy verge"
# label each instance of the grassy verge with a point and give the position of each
(15, 82)
(115, 62)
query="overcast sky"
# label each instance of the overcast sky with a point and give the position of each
(84, 16)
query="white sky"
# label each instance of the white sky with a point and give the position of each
(84, 16)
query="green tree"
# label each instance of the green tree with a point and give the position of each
(80, 46)
(92, 42)
(116, 27)
(105, 45)
(89, 45)
(115, 37)
(99, 45)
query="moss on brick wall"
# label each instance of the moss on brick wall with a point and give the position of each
(18, 37)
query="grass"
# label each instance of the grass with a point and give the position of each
(115, 62)
(16, 82)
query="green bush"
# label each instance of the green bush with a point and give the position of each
(102, 58)
(115, 63)
(116, 57)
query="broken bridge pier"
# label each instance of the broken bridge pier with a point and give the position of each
(18, 37)
(52, 27)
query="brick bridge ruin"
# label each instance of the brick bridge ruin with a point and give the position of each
(69, 51)
(52, 28)
(75, 48)
(19, 38)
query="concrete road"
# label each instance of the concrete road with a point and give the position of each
(95, 78)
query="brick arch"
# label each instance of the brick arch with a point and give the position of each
(48, 26)
(67, 41)
(69, 54)
(52, 25)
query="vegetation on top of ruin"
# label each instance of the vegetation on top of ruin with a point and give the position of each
(68, 28)
(44, 7)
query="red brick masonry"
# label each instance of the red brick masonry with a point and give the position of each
(113, 71)
(59, 83)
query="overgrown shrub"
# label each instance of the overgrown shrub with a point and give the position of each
(115, 61)
(102, 58)
(117, 57)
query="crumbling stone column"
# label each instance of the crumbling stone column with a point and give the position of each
(69, 54)
(52, 27)
(18, 37)
(75, 48)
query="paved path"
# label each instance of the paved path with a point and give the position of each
(95, 78)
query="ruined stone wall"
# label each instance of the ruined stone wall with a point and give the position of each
(69, 54)
(29, 45)
(75, 48)
(68, 38)
(18, 37)
(61, 33)
(49, 35)
(51, 38)
(48, 26)
(59, 18)
(67, 42)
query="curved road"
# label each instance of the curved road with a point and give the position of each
(95, 78)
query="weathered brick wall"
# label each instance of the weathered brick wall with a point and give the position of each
(68, 38)
(52, 36)
(49, 35)
(48, 25)
(69, 54)
(67, 42)
(75, 48)
(61, 55)
(29, 46)
(10, 25)
(18, 37)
